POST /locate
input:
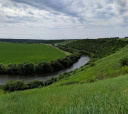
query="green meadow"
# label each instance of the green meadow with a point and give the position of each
(33, 53)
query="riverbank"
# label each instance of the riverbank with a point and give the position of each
(5, 78)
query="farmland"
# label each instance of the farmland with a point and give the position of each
(34, 53)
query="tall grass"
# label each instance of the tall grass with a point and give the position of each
(103, 97)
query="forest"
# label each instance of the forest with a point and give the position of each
(97, 48)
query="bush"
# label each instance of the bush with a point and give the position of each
(12, 69)
(92, 64)
(2, 68)
(124, 61)
(90, 80)
(14, 85)
(50, 81)
(34, 84)
(124, 69)
(28, 68)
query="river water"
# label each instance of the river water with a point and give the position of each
(5, 78)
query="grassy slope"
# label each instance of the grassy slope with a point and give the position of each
(104, 68)
(20, 53)
(107, 97)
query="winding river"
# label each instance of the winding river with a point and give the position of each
(5, 78)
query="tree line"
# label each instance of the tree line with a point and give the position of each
(31, 41)
(12, 85)
(39, 68)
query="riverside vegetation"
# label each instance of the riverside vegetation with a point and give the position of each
(39, 68)
(73, 92)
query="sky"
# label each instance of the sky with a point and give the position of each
(63, 19)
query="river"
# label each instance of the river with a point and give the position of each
(5, 78)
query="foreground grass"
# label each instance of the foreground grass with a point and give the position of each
(20, 53)
(102, 97)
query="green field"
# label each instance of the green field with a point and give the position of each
(34, 53)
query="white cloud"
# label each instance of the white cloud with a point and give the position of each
(63, 18)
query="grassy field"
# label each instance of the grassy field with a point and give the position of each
(20, 53)
(102, 97)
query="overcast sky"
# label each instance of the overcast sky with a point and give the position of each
(63, 19)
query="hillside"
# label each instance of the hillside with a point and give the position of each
(98, 48)
(104, 68)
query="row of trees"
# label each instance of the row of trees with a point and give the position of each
(40, 68)
(20, 85)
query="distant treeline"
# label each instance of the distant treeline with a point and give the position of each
(31, 41)
(97, 48)
(39, 68)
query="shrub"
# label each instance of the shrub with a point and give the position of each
(92, 64)
(64, 75)
(12, 69)
(50, 81)
(28, 68)
(90, 80)
(124, 69)
(124, 61)
(61, 76)
(14, 85)
(34, 84)
(2, 68)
